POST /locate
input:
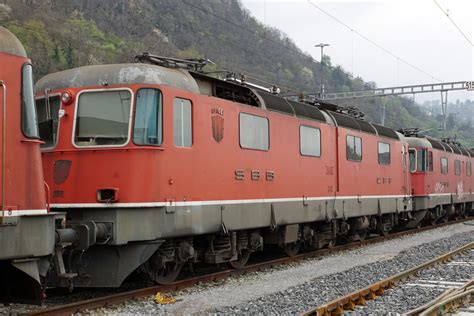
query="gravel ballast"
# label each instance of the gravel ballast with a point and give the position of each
(295, 288)
(427, 285)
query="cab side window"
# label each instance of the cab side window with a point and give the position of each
(353, 148)
(444, 165)
(457, 167)
(412, 158)
(182, 123)
(147, 129)
(310, 141)
(48, 120)
(384, 153)
(422, 160)
(430, 161)
(253, 132)
(29, 119)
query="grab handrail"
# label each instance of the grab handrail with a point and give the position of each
(4, 118)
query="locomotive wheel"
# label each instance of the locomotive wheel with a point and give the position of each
(167, 274)
(242, 260)
(292, 249)
(331, 243)
(362, 234)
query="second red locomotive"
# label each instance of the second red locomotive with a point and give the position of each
(27, 228)
(441, 175)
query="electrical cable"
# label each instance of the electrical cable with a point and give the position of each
(373, 42)
(249, 31)
(454, 23)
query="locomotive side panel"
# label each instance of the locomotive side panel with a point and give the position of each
(373, 175)
(200, 187)
(249, 183)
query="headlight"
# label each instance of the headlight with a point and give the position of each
(67, 97)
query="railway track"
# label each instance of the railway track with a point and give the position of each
(110, 300)
(450, 301)
(426, 275)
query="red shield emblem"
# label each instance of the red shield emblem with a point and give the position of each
(217, 127)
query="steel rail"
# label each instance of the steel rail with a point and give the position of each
(449, 301)
(118, 298)
(450, 304)
(421, 308)
(370, 292)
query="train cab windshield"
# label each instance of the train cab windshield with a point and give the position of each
(48, 117)
(102, 118)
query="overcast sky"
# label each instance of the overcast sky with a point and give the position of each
(417, 31)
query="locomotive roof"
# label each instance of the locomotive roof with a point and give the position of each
(449, 146)
(418, 142)
(115, 74)
(139, 73)
(10, 44)
(322, 111)
(430, 142)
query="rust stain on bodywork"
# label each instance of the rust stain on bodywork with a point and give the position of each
(61, 170)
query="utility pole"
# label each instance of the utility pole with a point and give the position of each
(444, 107)
(384, 104)
(321, 91)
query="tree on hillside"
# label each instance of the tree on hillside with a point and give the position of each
(94, 32)
(5, 13)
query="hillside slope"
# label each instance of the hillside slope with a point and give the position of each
(63, 34)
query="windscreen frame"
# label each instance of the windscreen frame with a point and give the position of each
(130, 117)
(61, 107)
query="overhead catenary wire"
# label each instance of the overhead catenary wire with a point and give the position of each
(353, 31)
(387, 51)
(378, 45)
(398, 58)
(251, 52)
(307, 56)
(454, 23)
(26, 27)
(248, 51)
(296, 51)
(248, 30)
(253, 32)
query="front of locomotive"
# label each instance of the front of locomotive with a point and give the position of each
(27, 234)
(102, 153)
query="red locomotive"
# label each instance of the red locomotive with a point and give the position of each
(441, 178)
(27, 229)
(158, 165)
